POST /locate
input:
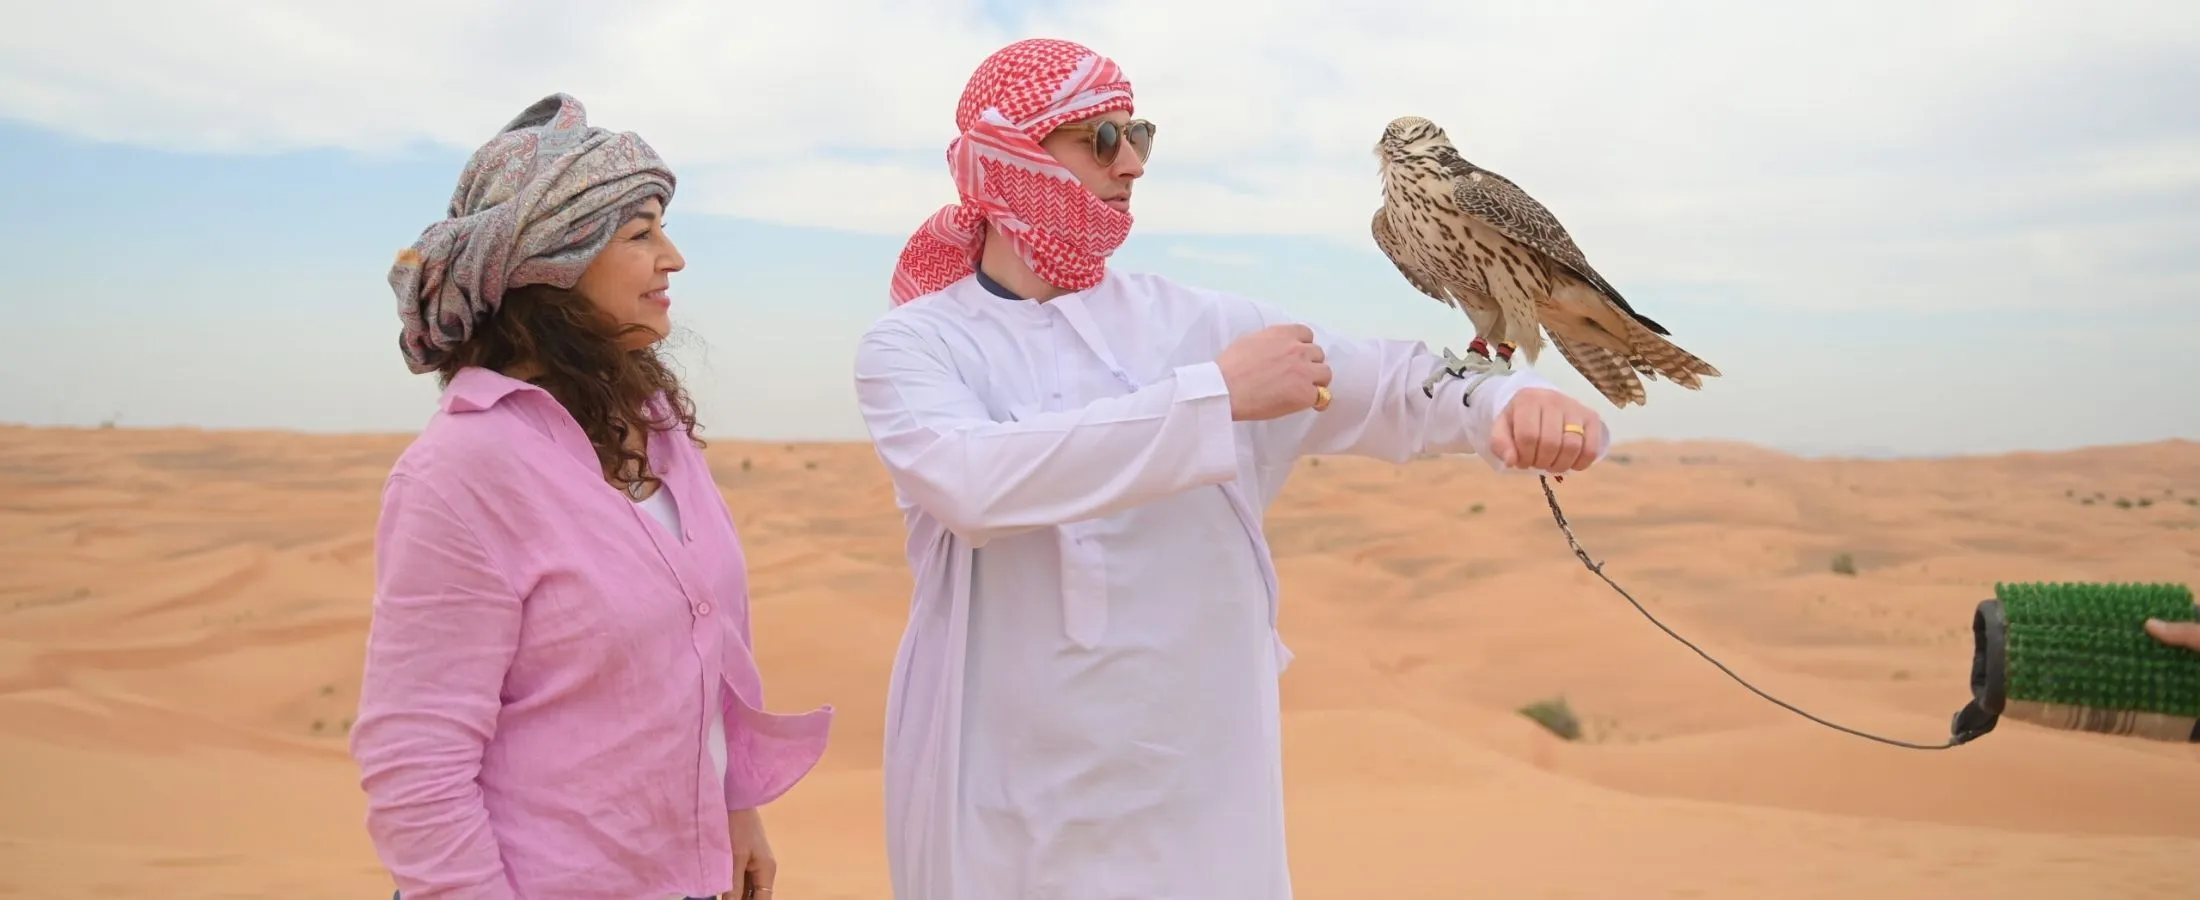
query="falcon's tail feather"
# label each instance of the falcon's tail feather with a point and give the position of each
(1661, 355)
(1611, 374)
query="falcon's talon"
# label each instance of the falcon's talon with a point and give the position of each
(1453, 367)
(1464, 366)
(1460, 367)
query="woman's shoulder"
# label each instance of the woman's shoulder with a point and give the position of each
(468, 447)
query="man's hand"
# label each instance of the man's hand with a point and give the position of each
(1533, 433)
(753, 865)
(2176, 634)
(1272, 372)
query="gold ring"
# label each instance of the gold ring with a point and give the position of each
(1572, 428)
(1321, 397)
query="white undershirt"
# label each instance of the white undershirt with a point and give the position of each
(660, 505)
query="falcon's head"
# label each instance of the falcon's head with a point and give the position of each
(1409, 136)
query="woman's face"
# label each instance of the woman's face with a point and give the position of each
(631, 279)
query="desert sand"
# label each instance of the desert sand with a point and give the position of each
(181, 618)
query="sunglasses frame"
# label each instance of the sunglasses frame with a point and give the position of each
(1091, 131)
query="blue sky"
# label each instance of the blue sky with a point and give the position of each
(1979, 239)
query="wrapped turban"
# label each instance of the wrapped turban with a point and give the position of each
(533, 206)
(1055, 224)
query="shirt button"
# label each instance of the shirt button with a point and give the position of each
(702, 609)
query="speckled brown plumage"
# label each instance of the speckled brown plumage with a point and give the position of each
(1474, 240)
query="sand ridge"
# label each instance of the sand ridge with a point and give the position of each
(181, 615)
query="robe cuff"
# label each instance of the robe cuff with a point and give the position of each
(1202, 383)
(1199, 381)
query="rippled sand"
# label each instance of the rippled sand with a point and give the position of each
(181, 616)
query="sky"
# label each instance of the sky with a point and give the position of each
(1916, 228)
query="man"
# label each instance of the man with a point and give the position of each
(1084, 705)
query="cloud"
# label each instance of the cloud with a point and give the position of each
(1844, 156)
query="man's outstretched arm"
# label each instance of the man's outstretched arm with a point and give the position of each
(1513, 420)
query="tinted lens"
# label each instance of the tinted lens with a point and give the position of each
(1141, 136)
(1106, 139)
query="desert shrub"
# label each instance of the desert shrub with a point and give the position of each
(1556, 716)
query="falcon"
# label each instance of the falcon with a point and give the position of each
(1473, 240)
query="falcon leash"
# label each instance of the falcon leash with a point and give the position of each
(1975, 719)
(1959, 734)
(2071, 656)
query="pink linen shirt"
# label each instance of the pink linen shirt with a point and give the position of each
(532, 719)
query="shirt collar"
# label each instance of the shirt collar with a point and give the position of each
(475, 389)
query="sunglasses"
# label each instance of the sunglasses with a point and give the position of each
(1106, 138)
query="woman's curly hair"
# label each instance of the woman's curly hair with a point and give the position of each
(573, 351)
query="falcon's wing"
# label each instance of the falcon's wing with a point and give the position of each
(1493, 198)
(1388, 241)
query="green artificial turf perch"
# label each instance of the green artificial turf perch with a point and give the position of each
(2076, 656)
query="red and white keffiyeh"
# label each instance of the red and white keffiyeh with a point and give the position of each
(1054, 223)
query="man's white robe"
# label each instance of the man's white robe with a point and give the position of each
(1084, 704)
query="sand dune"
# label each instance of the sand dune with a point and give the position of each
(181, 616)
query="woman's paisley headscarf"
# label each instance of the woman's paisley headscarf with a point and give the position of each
(533, 206)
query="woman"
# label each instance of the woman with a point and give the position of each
(559, 698)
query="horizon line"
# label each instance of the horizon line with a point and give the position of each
(1859, 454)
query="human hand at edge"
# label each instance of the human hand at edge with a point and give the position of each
(754, 867)
(2176, 634)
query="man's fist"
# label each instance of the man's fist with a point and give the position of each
(1272, 372)
(1544, 429)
